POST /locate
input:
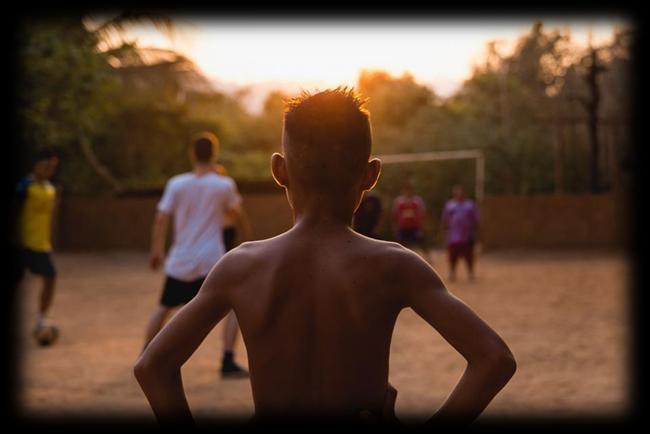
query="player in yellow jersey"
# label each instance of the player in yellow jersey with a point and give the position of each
(37, 196)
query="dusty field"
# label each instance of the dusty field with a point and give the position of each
(564, 315)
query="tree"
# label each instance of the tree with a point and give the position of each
(392, 102)
(66, 90)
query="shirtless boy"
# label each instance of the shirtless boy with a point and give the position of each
(317, 304)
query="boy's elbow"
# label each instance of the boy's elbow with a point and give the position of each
(504, 363)
(143, 368)
(140, 368)
(152, 366)
(509, 364)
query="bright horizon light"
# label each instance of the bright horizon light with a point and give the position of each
(289, 55)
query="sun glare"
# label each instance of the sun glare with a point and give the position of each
(321, 54)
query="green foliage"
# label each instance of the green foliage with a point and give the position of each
(65, 91)
(138, 115)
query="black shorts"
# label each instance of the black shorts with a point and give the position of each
(229, 238)
(409, 236)
(38, 263)
(177, 292)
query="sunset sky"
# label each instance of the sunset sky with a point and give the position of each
(317, 54)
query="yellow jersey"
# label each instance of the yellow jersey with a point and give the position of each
(38, 199)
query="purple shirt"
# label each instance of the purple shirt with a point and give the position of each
(461, 218)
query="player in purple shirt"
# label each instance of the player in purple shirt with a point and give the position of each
(459, 223)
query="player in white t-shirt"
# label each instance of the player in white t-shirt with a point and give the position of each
(198, 203)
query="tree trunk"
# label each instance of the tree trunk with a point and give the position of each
(97, 166)
(592, 121)
(558, 157)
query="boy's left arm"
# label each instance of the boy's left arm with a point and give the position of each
(240, 215)
(236, 211)
(158, 370)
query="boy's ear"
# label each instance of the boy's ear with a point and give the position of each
(373, 169)
(279, 170)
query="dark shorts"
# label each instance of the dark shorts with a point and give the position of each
(38, 263)
(409, 236)
(461, 250)
(177, 292)
(229, 238)
(366, 228)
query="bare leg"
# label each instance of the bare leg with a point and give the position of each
(228, 366)
(156, 322)
(453, 259)
(47, 295)
(469, 258)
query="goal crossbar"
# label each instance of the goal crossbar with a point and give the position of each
(463, 154)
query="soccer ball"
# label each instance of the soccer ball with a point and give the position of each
(46, 335)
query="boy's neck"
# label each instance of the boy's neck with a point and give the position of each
(38, 178)
(318, 212)
(203, 168)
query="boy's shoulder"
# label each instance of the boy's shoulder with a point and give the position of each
(393, 252)
(392, 267)
(372, 248)
(179, 179)
(246, 260)
(223, 178)
(388, 257)
(242, 256)
(388, 264)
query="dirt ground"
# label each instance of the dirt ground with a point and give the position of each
(563, 313)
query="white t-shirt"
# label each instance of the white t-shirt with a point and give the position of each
(197, 205)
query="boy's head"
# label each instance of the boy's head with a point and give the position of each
(407, 188)
(45, 163)
(326, 143)
(458, 191)
(204, 147)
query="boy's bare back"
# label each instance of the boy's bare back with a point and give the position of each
(317, 312)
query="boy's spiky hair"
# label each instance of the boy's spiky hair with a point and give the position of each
(346, 92)
(327, 139)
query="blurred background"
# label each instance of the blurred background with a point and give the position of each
(546, 101)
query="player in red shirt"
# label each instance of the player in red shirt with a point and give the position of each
(408, 216)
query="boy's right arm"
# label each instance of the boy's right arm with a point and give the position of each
(237, 213)
(490, 364)
(158, 369)
(158, 238)
(164, 211)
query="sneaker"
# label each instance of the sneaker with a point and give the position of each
(233, 370)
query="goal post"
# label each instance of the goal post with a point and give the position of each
(474, 154)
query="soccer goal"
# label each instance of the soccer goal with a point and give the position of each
(464, 154)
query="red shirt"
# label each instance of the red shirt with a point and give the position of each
(408, 212)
